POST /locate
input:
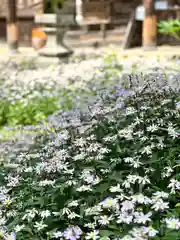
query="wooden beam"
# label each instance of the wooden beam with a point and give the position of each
(129, 33)
(51, 19)
(12, 26)
(149, 26)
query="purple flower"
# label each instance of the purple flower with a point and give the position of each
(120, 105)
(120, 92)
(72, 233)
(123, 92)
(89, 179)
(12, 236)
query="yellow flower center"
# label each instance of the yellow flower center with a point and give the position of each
(174, 224)
(10, 237)
(91, 235)
(110, 202)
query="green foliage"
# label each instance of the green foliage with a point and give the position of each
(28, 112)
(52, 5)
(107, 167)
(171, 28)
(110, 169)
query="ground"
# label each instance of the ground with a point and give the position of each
(161, 51)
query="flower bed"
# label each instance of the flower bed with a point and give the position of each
(107, 169)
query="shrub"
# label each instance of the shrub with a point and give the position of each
(111, 171)
(27, 112)
(171, 28)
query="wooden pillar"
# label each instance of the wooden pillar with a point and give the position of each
(12, 26)
(149, 25)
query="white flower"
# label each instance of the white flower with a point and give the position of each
(73, 215)
(137, 233)
(121, 197)
(93, 210)
(140, 217)
(18, 228)
(136, 164)
(174, 185)
(159, 194)
(150, 231)
(84, 188)
(90, 225)
(167, 171)
(125, 218)
(12, 213)
(130, 111)
(132, 178)
(126, 133)
(147, 150)
(2, 232)
(160, 205)
(173, 223)
(140, 198)
(40, 226)
(28, 169)
(7, 201)
(127, 205)
(46, 183)
(45, 214)
(143, 180)
(172, 132)
(104, 150)
(116, 188)
(139, 133)
(2, 221)
(127, 237)
(57, 234)
(178, 105)
(133, 162)
(144, 138)
(30, 214)
(110, 138)
(66, 211)
(104, 220)
(138, 121)
(128, 160)
(93, 235)
(12, 181)
(69, 171)
(80, 142)
(73, 204)
(70, 183)
(109, 202)
(90, 179)
(126, 184)
(152, 128)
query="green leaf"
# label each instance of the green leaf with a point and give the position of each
(106, 233)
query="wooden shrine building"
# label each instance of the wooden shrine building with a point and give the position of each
(94, 20)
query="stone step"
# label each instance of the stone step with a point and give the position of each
(81, 33)
(96, 41)
(96, 34)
